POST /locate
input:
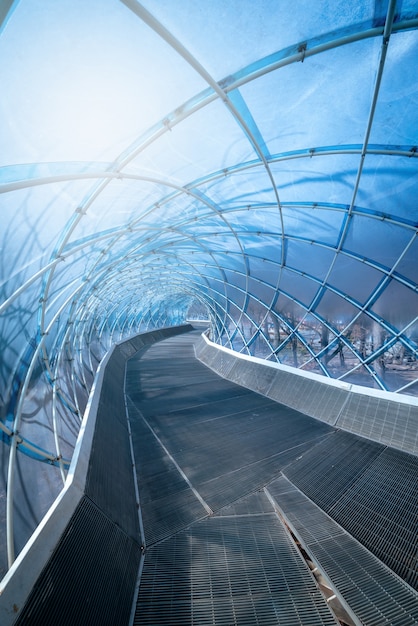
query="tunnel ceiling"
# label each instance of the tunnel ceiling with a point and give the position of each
(250, 163)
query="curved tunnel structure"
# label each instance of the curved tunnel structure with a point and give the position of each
(251, 165)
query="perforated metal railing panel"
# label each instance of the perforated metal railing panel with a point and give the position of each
(375, 594)
(388, 420)
(303, 394)
(110, 478)
(232, 570)
(392, 423)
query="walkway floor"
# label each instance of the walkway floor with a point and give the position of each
(208, 457)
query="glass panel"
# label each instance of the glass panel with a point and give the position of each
(224, 28)
(336, 310)
(398, 91)
(262, 246)
(321, 179)
(408, 266)
(394, 190)
(397, 365)
(261, 291)
(398, 305)
(32, 221)
(301, 287)
(313, 223)
(354, 278)
(289, 312)
(300, 93)
(98, 103)
(309, 258)
(195, 147)
(376, 240)
(242, 188)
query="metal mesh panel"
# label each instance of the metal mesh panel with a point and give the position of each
(89, 579)
(228, 449)
(110, 479)
(180, 396)
(303, 394)
(372, 591)
(137, 342)
(111, 397)
(165, 516)
(249, 374)
(223, 363)
(379, 419)
(126, 349)
(305, 517)
(168, 504)
(375, 594)
(239, 570)
(392, 423)
(330, 468)
(151, 370)
(178, 423)
(205, 352)
(221, 425)
(254, 504)
(381, 511)
(227, 440)
(371, 491)
(219, 491)
(309, 396)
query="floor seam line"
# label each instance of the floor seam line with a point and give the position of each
(184, 476)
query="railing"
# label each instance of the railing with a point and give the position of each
(382, 416)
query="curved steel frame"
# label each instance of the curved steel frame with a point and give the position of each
(97, 306)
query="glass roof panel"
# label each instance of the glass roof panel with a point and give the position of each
(408, 265)
(399, 90)
(299, 93)
(195, 147)
(314, 223)
(335, 309)
(319, 179)
(302, 288)
(241, 188)
(32, 223)
(355, 278)
(397, 305)
(393, 191)
(377, 240)
(81, 96)
(316, 263)
(225, 25)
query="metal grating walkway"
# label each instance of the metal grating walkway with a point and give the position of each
(371, 491)
(232, 569)
(373, 592)
(216, 552)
